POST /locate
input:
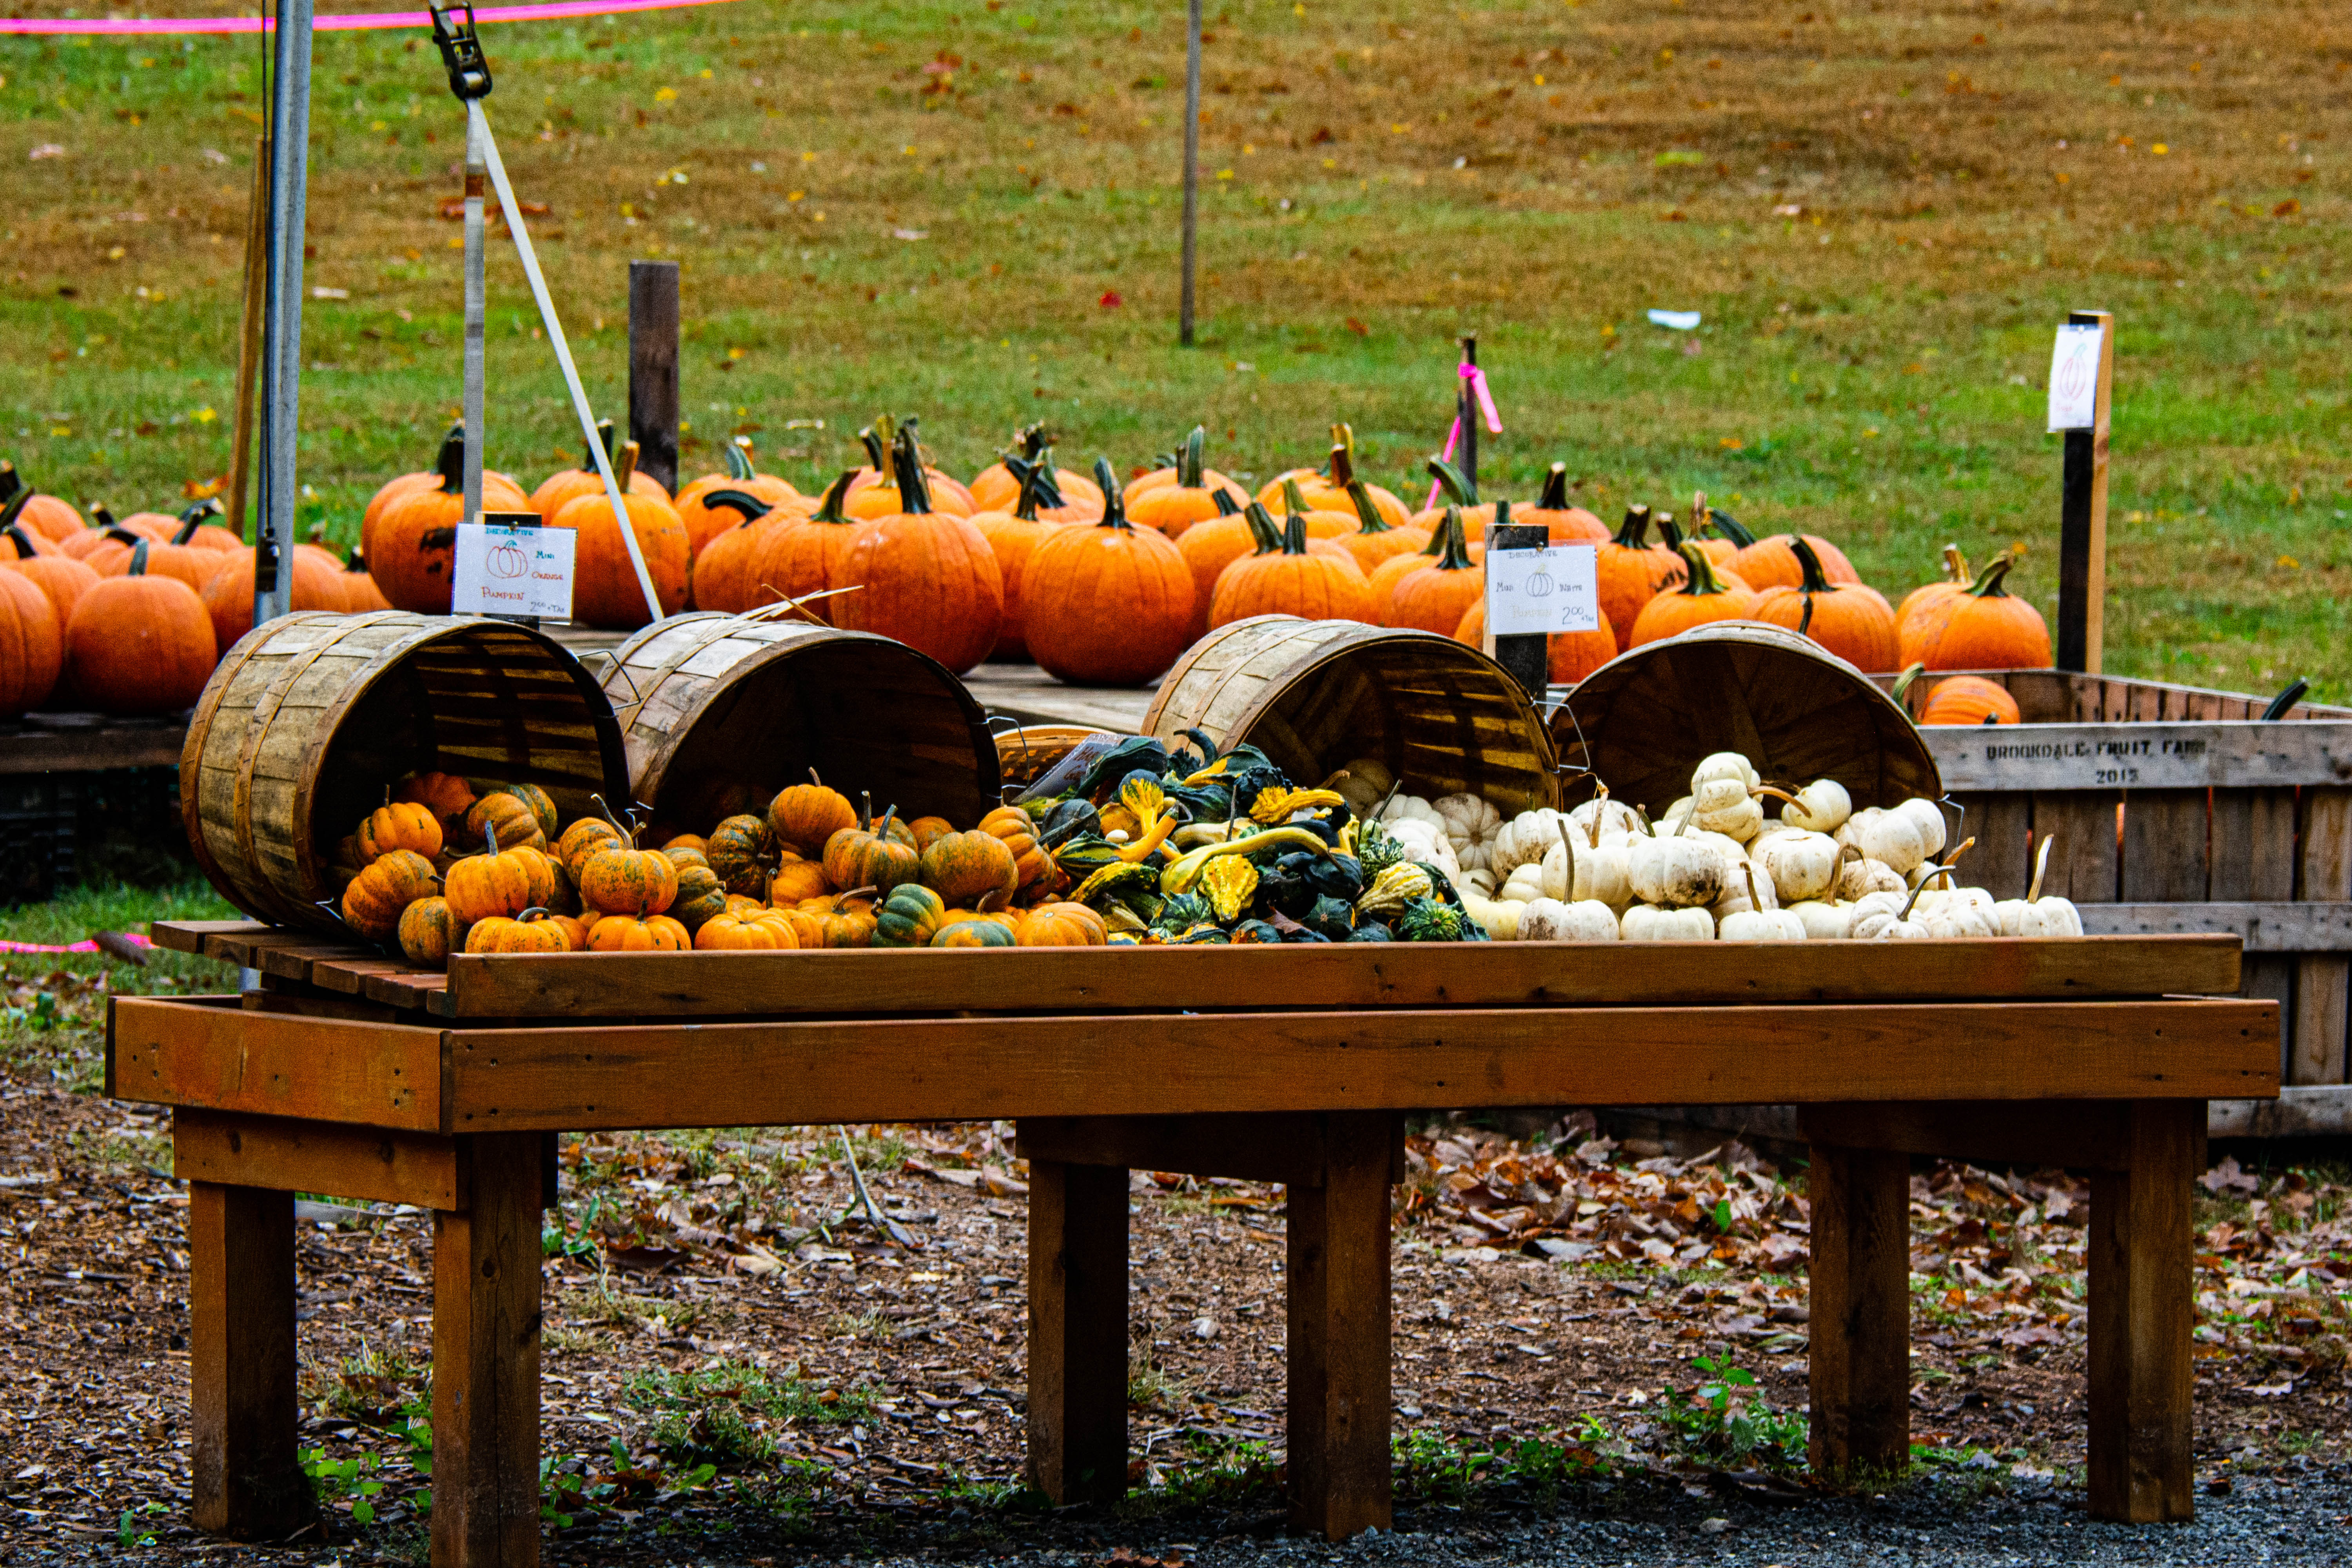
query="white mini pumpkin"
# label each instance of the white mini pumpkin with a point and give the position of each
(1646, 923)
(1930, 819)
(1601, 821)
(1367, 784)
(2035, 915)
(1471, 823)
(1822, 920)
(1725, 765)
(1682, 872)
(1801, 864)
(1822, 806)
(1858, 875)
(1896, 840)
(1527, 837)
(1585, 919)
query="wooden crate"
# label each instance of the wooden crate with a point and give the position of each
(2176, 809)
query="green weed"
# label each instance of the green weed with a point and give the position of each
(718, 1413)
(1728, 1419)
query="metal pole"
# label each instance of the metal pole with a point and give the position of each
(249, 336)
(477, 433)
(1191, 165)
(281, 363)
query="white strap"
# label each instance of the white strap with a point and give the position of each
(563, 356)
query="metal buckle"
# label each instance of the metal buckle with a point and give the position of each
(461, 51)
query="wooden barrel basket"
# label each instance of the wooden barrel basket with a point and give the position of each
(309, 717)
(720, 711)
(1641, 722)
(1027, 752)
(1314, 695)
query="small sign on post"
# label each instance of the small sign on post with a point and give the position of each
(1535, 589)
(2081, 377)
(512, 568)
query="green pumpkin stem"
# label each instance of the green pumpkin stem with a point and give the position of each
(490, 836)
(1226, 505)
(877, 447)
(1670, 531)
(137, 559)
(1809, 560)
(1502, 514)
(124, 536)
(1703, 580)
(1049, 480)
(1031, 440)
(1267, 537)
(10, 485)
(1294, 500)
(1633, 532)
(1902, 681)
(450, 463)
(16, 504)
(1366, 513)
(1453, 542)
(1294, 534)
(100, 515)
(828, 509)
(1730, 527)
(1025, 505)
(194, 519)
(738, 460)
(907, 462)
(1988, 582)
(1458, 488)
(16, 535)
(751, 507)
(1555, 489)
(1114, 504)
(1187, 459)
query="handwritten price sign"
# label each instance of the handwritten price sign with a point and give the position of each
(2075, 378)
(508, 570)
(1556, 589)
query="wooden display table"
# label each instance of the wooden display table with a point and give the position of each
(349, 1073)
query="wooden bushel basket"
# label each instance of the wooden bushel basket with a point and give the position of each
(309, 717)
(719, 711)
(1641, 722)
(1029, 751)
(1314, 695)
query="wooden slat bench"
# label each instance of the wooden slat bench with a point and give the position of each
(347, 1074)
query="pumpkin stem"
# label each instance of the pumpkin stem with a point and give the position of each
(1555, 489)
(15, 506)
(193, 518)
(451, 465)
(1293, 501)
(1294, 534)
(628, 835)
(1025, 505)
(1454, 553)
(1343, 436)
(1188, 460)
(1343, 465)
(138, 558)
(1688, 812)
(738, 460)
(10, 485)
(1816, 579)
(2040, 867)
(1264, 534)
(1367, 514)
(1730, 527)
(1031, 440)
(1114, 504)
(624, 466)
(1902, 681)
(913, 484)
(100, 515)
(1955, 566)
(1775, 791)
(829, 508)
(1226, 505)
(605, 436)
(1805, 617)
(1568, 843)
(751, 507)
(878, 450)
(866, 817)
(1988, 582)
(1461, 491)
(1747, 874)
(1633, 532)
(490, 834)
(15, 534)
(1703, 580)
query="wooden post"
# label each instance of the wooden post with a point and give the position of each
(653, 368)
(1192, 167)
(1465, 404)
(1077, 1331)
(1860, 1311)
(1528, 658)
(1338, 1331)
(248, 335)
(486, 1323)
(2142, 1281)
(2083, 520)
(241, 1364)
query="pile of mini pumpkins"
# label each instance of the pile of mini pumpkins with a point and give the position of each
(1716, 867)
(129, 616)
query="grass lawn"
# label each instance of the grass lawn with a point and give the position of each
(1882, 211)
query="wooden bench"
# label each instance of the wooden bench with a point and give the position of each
(348, 1073)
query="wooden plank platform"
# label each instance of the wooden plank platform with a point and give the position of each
(89, 742)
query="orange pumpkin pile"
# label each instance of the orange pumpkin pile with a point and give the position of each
(456, 865)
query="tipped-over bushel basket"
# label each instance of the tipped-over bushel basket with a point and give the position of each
(1641, 722)
(720, 711)
(310, 716)
(1316, 695)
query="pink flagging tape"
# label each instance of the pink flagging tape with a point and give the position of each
(134, 937)
(357, 22)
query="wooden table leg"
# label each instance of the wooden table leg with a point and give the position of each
(1860, 1356)
(1339, 1350)
(241, 1365)
(1077, 1331)
(486, 1323)
(2142, 1288)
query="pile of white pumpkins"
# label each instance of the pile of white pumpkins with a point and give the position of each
(1714, 866)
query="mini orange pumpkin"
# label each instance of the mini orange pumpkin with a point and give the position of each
(725, 933)
(445, 795)
(699, 899)
(624, 880)
(398, 825)
(511, 816)
(528, 931)
(583, 838)
(502, 883)
(965, 867)
(429, 933)
(627, 933)
(740, 850)
(1970, 700)
(1032, 865)
(796, 879)
(1063, 925)
(806, 817)
(876, 858)
(376, 897)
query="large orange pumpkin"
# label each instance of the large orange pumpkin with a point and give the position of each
(1318, 586)
(1377, 539)
(43, 516)
(499, 491)
(1632, 572)
(1188, 495)
(876, 491)
(1850, 619)
(1920, 601)
(61, 577)
(1322, 522)
(1568, 523)
(1987, 627)
(1572, 654)
(965, 868)
(927, 578)
(1434, 597)
(358, 587)
(1703, 597)
(412, 548)
(720, 577)
(1773, 561)
(228, 593)
(140, 643)
(563, 487)
(1013, 536)
(795, 558)
(32, 646)
(165, 558)
(606, 591)
(1109, 604)
(1326, 489)
(806, 817)
(702, 524)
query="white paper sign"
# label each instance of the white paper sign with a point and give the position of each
(2075, 378)
(1555, 589)
(513, 571)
